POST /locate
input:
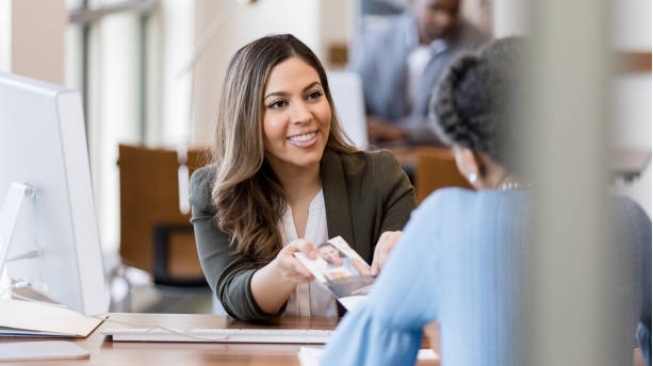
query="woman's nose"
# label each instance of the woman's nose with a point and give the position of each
(300, 112)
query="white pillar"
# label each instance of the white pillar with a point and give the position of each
(510, 17)
(570, 309)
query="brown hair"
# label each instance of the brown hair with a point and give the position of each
(247, 194)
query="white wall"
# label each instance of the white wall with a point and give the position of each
(243, 24)
(32, 41)
(510, 18)
(178, 35)
(315, 22)
(337, 26)
(115, 119)
(631, 26)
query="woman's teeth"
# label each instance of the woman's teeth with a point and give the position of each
(302, 138)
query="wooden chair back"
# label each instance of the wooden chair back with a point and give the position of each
(435, 169)
(150, 213)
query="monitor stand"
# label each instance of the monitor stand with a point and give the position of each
(18, 351)
(22, 351)
(8, 218)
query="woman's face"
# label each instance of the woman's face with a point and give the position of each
(296, 117)
(330, 254)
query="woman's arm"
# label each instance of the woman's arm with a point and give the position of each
(228, 274)
(273, 284)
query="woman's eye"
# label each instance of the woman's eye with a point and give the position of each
(277, 104)
(315, 95)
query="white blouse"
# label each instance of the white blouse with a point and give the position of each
(309, 299)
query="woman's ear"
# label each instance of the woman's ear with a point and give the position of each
(467, 164)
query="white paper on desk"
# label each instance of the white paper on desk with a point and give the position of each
(42, 350)
(310, 356)
(23, 318)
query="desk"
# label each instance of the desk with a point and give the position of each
(105, 352)
(407, 156)
(623, 163)
(432, 167)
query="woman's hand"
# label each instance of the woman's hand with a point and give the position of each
(273, 284)
(383, 248)
(289, 267)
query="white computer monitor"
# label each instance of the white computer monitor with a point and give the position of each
(347, 92)
(43, 149)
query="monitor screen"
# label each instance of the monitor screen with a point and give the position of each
(43, 147)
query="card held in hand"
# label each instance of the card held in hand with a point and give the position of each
(341, 270)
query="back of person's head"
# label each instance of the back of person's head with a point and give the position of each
(475, 101)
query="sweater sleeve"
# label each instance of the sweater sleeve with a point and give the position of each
(228, 274)
(386, 329)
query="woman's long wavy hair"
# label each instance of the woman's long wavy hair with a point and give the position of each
(247, 194)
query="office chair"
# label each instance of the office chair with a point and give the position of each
(155, 236)
(435, 169)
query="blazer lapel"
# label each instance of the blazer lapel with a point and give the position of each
(336, 196)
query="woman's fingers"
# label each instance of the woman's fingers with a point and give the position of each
(291, 267)
(307, 249)
(383, 248)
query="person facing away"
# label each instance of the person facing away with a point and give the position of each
(336, 258)
(399, 65)
(460, 259)
(283, 177)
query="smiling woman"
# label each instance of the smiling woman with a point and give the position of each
(284, 177)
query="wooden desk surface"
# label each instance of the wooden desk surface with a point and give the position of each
(105, 352)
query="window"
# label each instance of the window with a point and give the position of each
(111, 56)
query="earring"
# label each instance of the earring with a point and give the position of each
(473, 177)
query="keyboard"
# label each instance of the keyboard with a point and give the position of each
(210, 335)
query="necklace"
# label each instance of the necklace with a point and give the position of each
(508, 182)
(505, 186)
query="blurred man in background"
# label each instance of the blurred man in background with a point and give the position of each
(400, 64)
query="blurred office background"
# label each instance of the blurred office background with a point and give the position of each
(150, 71)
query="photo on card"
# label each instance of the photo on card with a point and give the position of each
(341, 269)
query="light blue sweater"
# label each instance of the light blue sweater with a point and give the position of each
(460, 262)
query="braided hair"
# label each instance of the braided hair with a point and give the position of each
(474, 103)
